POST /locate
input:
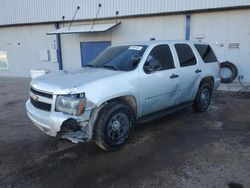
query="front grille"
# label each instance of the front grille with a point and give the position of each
(40, 105)
(47, 95)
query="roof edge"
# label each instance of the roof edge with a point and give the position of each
(133, 16)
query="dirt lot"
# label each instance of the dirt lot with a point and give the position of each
(185, 149)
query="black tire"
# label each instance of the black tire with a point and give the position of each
(203, 98)
(114, 125)
(232, 68)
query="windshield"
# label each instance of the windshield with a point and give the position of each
(118, 57)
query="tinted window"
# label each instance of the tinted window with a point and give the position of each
(206, 53)
(163, 55)
(185, 55)
(118, 57)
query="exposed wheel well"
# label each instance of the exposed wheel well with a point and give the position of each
(209, 80)
(129, 100)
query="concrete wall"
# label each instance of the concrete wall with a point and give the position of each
(23, 45)
(222, 28)
(217, 28)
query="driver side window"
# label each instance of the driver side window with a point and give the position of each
(160, 58)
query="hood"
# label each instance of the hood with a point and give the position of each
(64, 82)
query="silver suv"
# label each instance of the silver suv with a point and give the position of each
(125, 84)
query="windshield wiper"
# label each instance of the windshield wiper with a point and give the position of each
(89, 65)
(111, 66)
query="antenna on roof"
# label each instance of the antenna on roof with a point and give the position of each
(116, 15)
(78, 8)
(99, 7)
(63, 18)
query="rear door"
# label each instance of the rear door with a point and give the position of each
(189, 71)
(159, 89)
(209, 60)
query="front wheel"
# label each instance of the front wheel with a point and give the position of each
(114, 125)
(203, 98)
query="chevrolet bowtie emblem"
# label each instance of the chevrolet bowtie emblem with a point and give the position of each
(34, 97)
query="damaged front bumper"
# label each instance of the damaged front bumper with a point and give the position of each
(74, 128)
(74, 131)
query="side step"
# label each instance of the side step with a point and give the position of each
(163, 113)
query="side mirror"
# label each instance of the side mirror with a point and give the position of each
(135, 59)
(152, 66)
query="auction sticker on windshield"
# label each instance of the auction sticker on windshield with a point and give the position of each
(138, 48)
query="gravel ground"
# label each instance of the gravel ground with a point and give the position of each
(185, 149)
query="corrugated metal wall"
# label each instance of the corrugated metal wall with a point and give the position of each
(32, 11)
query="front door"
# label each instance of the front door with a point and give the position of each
(90, 50)
(159, 89)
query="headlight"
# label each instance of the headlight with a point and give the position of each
(71, 104)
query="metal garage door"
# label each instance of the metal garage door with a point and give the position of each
(89, 50)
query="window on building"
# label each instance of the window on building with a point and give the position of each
(163, 55)
(3, 60)
(185, 55)
(206, 53)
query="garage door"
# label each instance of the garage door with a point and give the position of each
(89, 50)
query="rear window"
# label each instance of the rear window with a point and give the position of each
(185, 55)
(206, 53)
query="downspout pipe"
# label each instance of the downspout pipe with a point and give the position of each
(59, 49)
(188, 22)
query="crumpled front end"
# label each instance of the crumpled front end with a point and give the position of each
(41, 111)
(81, 131)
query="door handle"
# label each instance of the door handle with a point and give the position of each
(174, 76)
(198, 71)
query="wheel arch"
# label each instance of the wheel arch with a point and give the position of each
(208, 79)
(126, 101)
(205, 82)
(131, 100)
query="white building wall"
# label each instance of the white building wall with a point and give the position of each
(218, 28)
(23, 45)
(131, 29)
(33, 11)
(71, 52)
(159, 27)
(222, 28)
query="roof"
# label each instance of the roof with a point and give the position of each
(46, 11)
(156, 42)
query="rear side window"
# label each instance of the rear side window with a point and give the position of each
(206, 53)
(185, 55)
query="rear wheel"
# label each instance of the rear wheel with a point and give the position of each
(203, 98)
(114, 125)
